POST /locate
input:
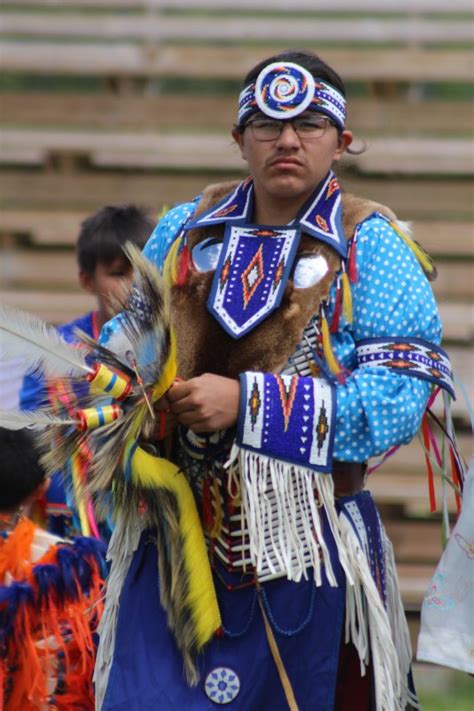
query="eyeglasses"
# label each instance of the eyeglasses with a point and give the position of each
(306, 127)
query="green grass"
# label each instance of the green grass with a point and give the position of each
(441, 689)
(451, 702)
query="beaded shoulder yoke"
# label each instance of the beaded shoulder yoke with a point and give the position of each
(203, 345)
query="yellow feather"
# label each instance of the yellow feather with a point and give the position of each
(170, 267)
(329, 356)
(85, 529)
(168, 373)
(153, 472)
(346, 298)
(163, 212)
(419, 253)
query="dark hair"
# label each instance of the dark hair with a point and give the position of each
(310, 61)
(20, 469)
(103, 234)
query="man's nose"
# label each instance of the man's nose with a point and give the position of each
(288, 136)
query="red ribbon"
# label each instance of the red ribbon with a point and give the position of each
(426, 442)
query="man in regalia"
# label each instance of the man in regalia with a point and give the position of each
(307, 337)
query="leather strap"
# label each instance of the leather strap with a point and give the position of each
(285, 681)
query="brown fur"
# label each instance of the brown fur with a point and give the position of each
(203, 345)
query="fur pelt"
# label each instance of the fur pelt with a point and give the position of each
(203, 345)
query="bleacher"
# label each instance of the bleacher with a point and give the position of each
(109, 101)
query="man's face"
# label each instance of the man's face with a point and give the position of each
(290, 166)
(110, 282)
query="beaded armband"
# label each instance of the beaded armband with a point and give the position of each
(411, 356)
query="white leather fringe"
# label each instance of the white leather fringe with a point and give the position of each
(282, 505)
(398, 624)
(379, 635)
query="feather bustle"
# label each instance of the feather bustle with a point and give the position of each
(186, 589)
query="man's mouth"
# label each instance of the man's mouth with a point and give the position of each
(285, 162)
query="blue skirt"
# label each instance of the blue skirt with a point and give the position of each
(236, 669)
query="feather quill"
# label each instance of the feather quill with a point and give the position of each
(18, 419)
(38, 344)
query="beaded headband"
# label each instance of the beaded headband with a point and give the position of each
(284, 90)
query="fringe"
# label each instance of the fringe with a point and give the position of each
(444, 457)
(459, 471)
(398, 624)
(281, 504)
(377, 634)
(426, 443)
(123, 544)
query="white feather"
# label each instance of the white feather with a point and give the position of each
(18, 419)
(38, 344)
(406, 227)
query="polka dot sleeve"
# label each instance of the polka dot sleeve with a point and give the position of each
(377, 408)
(166, 232)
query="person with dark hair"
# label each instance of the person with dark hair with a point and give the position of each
(49, 594)
(104, 269)
(20, 471)
(307, 338)
(105, 272)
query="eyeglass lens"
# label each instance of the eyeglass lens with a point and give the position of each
(264, 129)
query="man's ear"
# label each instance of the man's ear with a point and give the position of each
(344, 141)
(238, 137)
(87, 282)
